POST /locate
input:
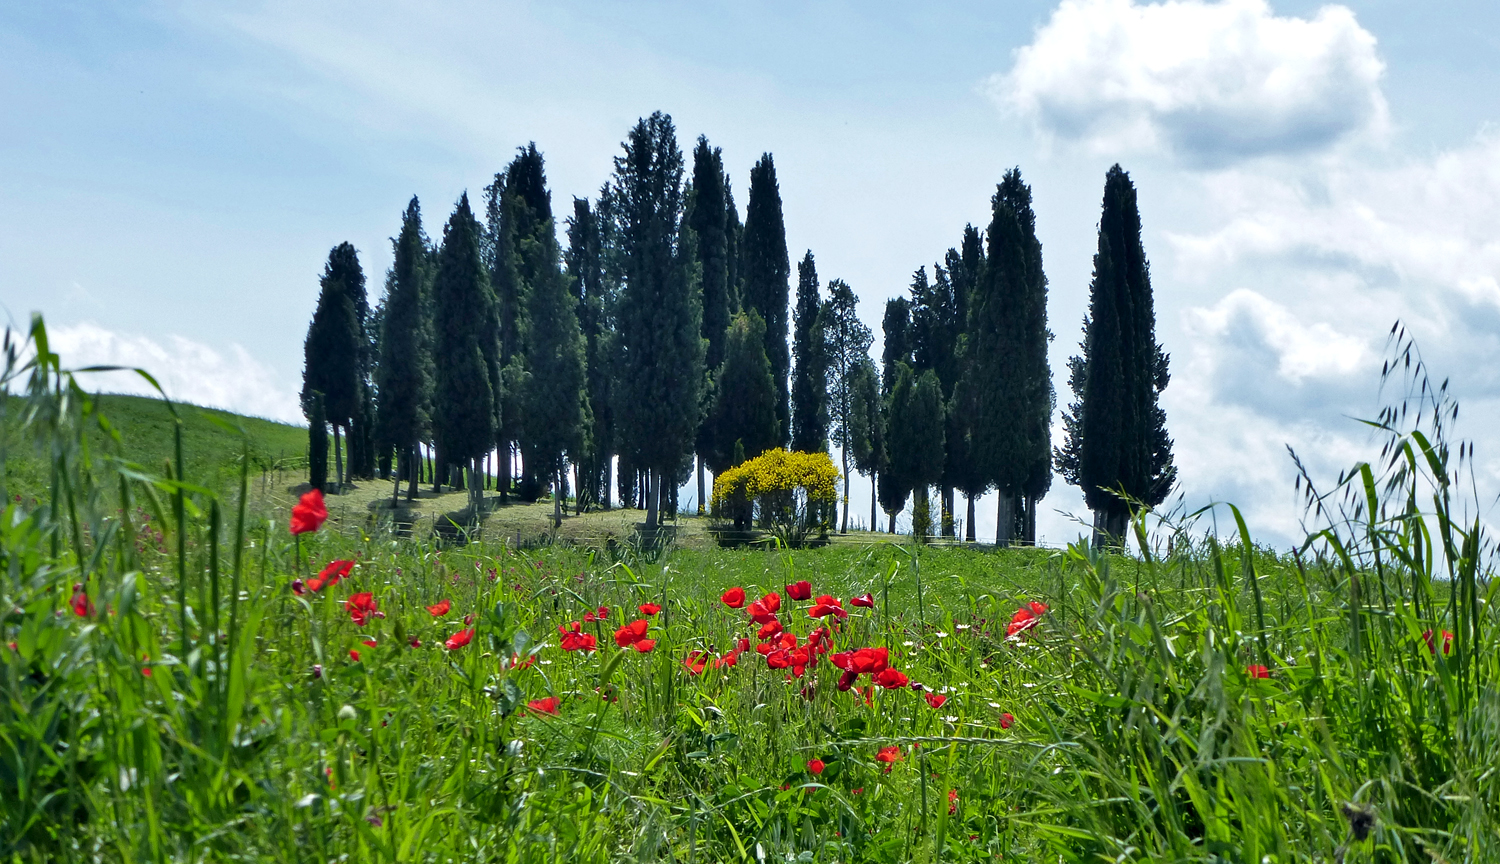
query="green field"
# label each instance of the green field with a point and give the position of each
(189, 705)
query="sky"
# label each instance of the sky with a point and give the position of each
(174, 175)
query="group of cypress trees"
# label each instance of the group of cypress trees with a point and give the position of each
(664, 332)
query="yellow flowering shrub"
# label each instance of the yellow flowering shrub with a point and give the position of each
(793, 491)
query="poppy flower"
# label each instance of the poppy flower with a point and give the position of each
(815, 766)
(354, 655)
(936, 700)
(82, 606)
(847, 679)
(650, 608)
(459, 640)
(371, 643)
(298, 588)
(760, 613)
(695, 663)
(603, 613)
(890, 756)
(544, 706)
(1432, 648)
(145, 658)
(1007, 720)
(768, 629)
(772, 602)
(826, 606)
(589, 616)
(731, 660)
(734, 598)
(741, 645)
(468, 619)
(952, 802)
(765, 648)
(362, 607)
(574, 639)
(415, 642)
(1026, 617)
(309, 513)
(866, 601)
(891, 679)
(440, 608)
(643, 646)
(631, 633)
(330, 575)
(1257, 671)
(799, 590)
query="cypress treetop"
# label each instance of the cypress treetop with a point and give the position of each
(766, 270)
(405, 370)
(464, 400)
(809, 382)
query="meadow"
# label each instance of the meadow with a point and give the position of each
(185, 679)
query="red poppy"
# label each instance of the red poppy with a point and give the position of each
(603, 613)
(869, 694)
(891, 679)
(145, 658)
(741, 645)
(890, 756)
(588, 616)
(695, 663)
(309, 512)
(731, 660)
(362, 607)
(371, 643)
(468, 619)
(847, 679)
(815, 766)
(952, 802)
(866, 601)
(772, 602)
(544, 706)
(760, 613)
(631, 633)
(1026, 617)
(765, 648)
(574, 639)
(1256, 670)
(415, 642)
(83, 607)
(298, 588)
(1447, 642)
(440, 608)
(826, 606)
(734, 598)
(459, 640)
(936, 700)
(354, 655)
(861, 661)
(1007, 720)
(330, 575)
(643, 646)
(768, 629)
(799, 590)
(650, 608)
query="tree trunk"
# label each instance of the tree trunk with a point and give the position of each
(844, 457)
(1005, 519)
(949, 529)
(892, 528)
(874, 527)
(338, 460)
(652, 485)
(700, 486)
(502, 470)
(969, 521)
(1031, 520)
(557, 495)
(1109, 529)
(412, 471)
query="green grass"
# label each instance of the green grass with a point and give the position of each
(1138, 734)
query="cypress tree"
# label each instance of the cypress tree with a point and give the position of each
(865, 437)
(317, 442)
(896, 327)
(464, 398)
(1117, 441)
(405, 367)
(766, 271)
(585, 265)
(847, 351)
(734, 240)
(919, 435)
(743, 416)
(555, 397)
(895, 475)
(964, 470)
(660, 314)
(809, 381)
(707, 215)
(333, 347)
(935, 330)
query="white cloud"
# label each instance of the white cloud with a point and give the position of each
(1210, 82)
(226, 377)
(1301, 350)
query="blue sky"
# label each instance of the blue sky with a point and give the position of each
(176, 173)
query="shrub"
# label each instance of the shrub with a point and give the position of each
(795, 493)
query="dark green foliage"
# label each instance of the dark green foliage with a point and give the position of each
(660, 355)
(865, 435)
(585, 265)
(847, 350)
(405, 369)
(707, 215)
(964, 471)
(896, 327)
(766, 270)
(464, 398)
(935, 325)
(1012, 392)
(809, 378)
(895, 475)
(743, 416)
(1117, 440)
(917, 433)
(317, 442)
(734, 238)
(334, 338)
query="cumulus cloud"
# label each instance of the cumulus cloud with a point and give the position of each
(1210, 82)
(226, 377)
